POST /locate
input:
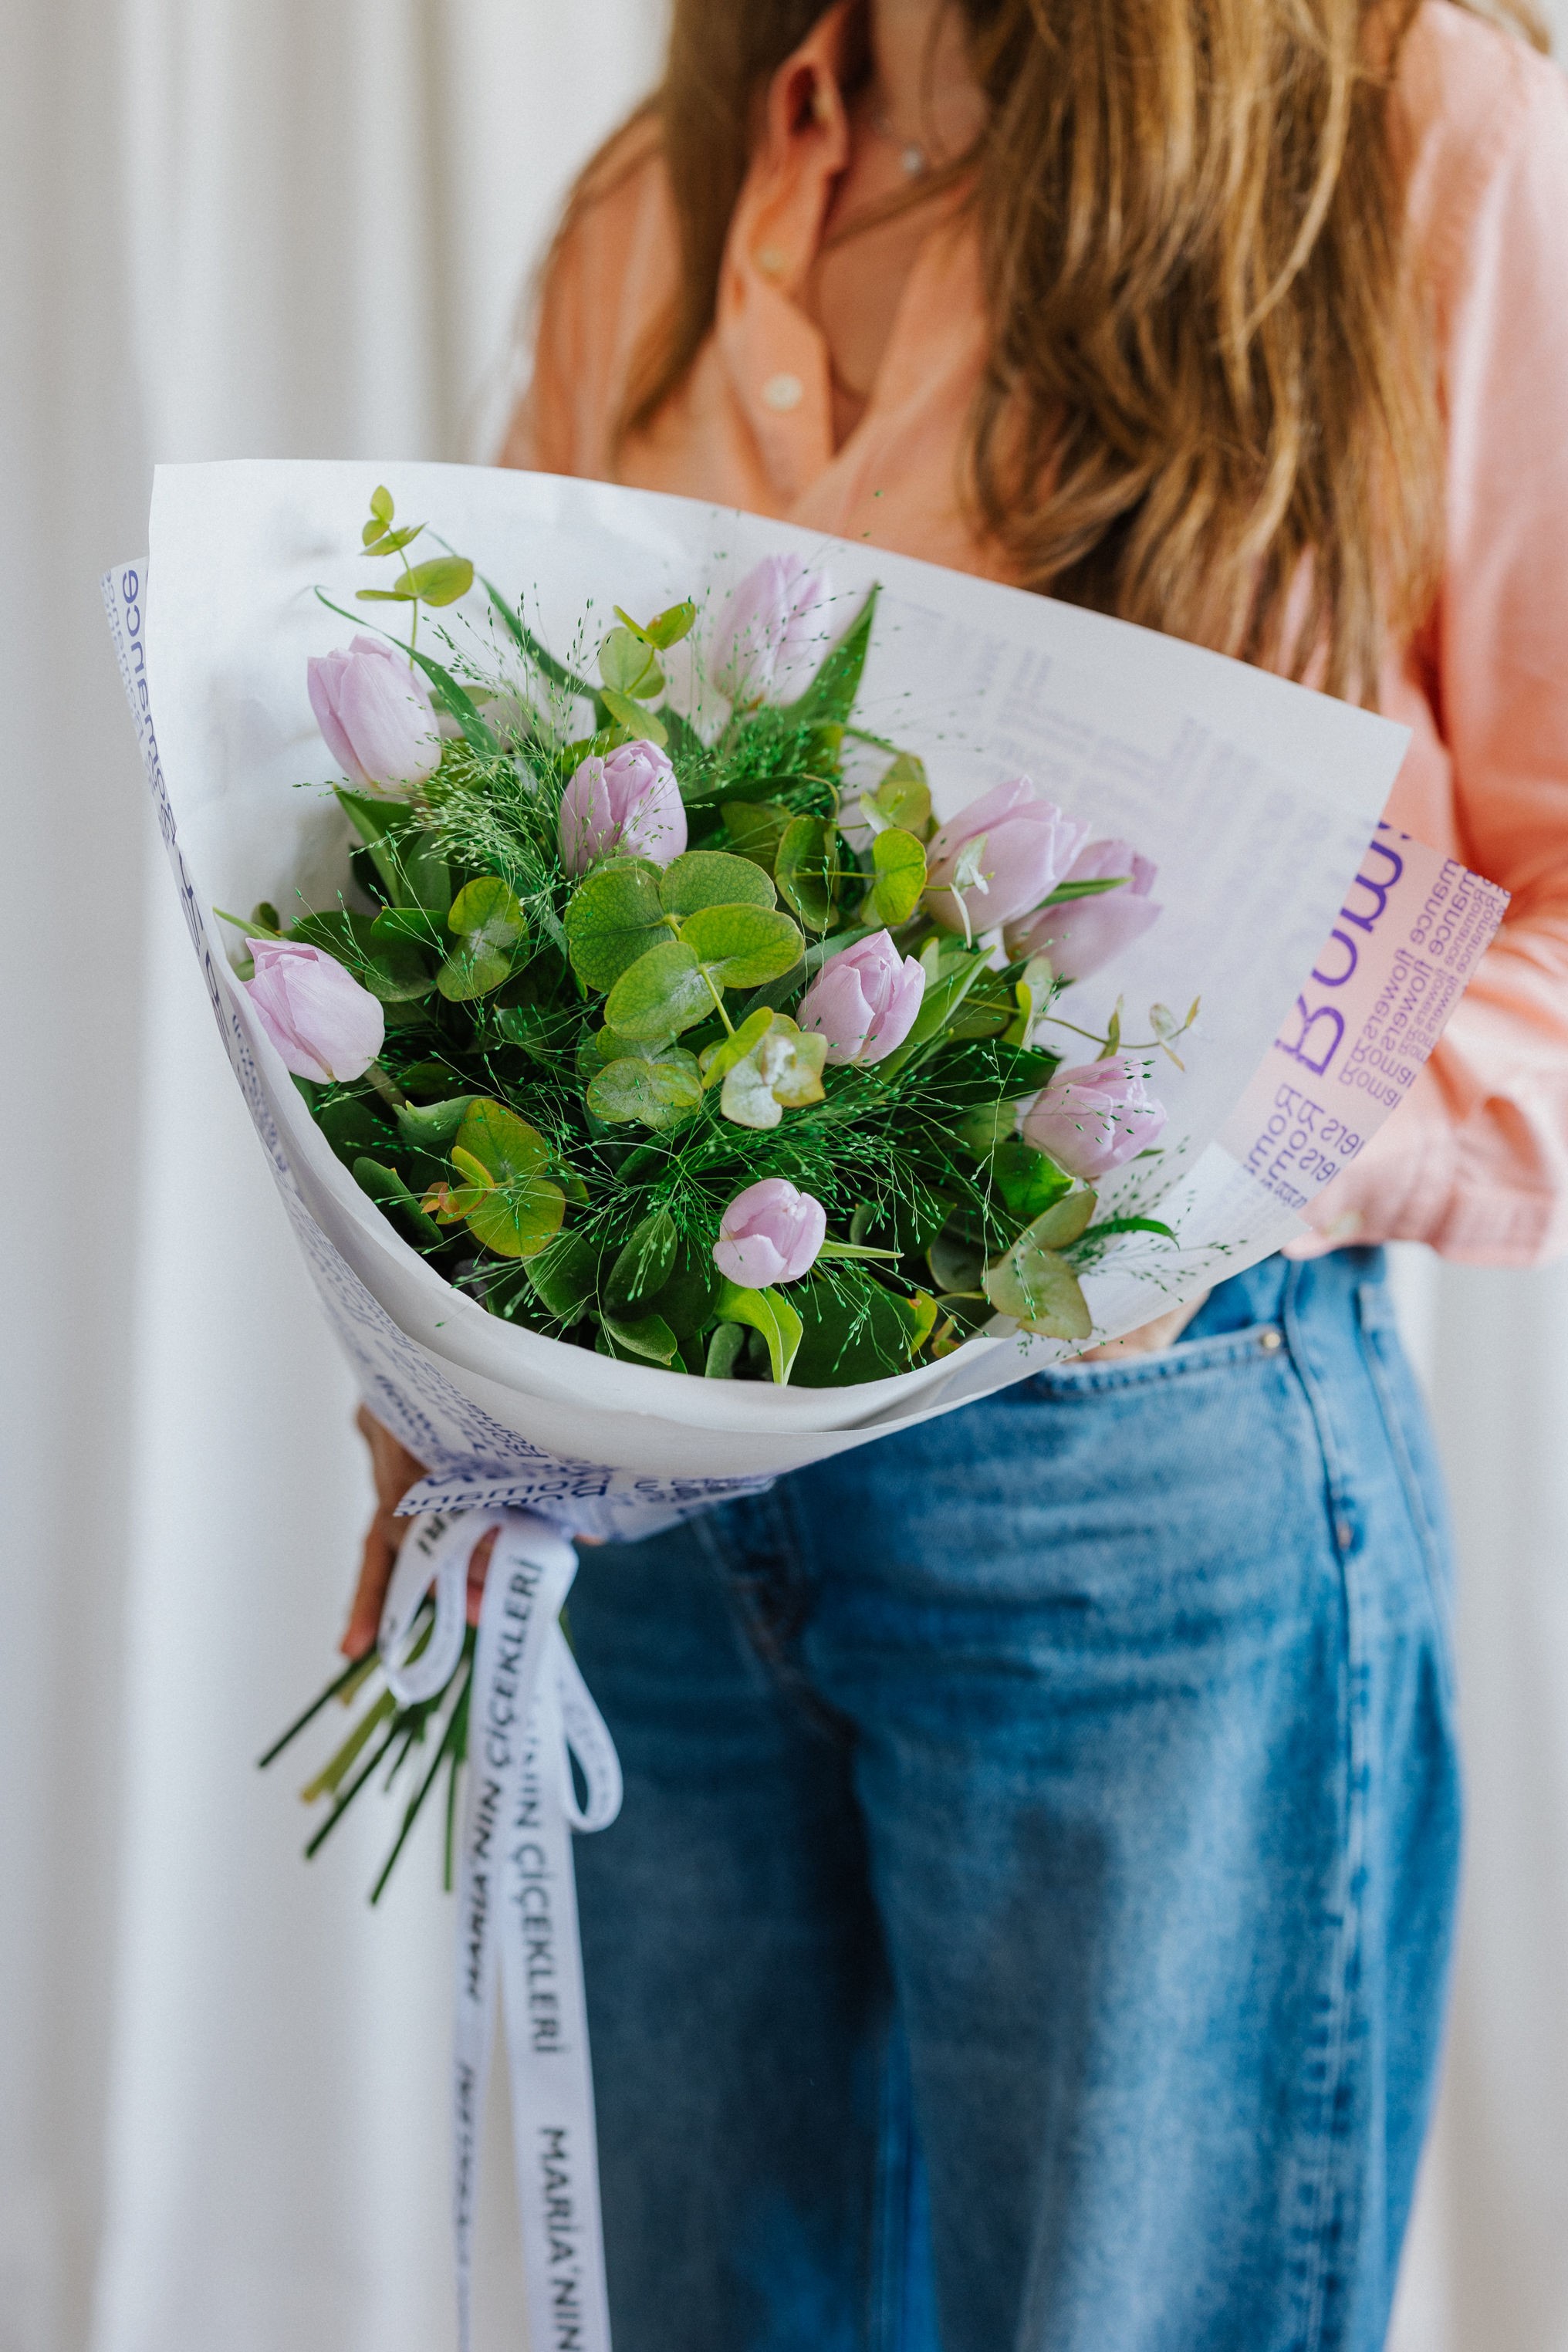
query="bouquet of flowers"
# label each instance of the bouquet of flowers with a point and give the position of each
(687, 1045)
(699, 1045)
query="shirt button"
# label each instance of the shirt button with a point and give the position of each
(1269, 1339)
(783, 393)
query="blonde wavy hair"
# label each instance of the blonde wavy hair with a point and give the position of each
(1210, 403)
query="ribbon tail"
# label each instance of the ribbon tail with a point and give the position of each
(547, 2021)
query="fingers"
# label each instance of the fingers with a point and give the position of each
(377, 1563)
(394, 1470)
(478, 1569)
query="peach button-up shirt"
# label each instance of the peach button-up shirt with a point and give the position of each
(1476, 1162)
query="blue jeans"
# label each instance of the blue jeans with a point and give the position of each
(1027, 1926)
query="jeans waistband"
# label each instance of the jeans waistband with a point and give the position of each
(1259, 1295)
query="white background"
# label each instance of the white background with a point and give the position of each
(299, 227)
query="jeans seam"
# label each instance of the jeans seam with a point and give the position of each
(1331, 2176)
(1427, 1539)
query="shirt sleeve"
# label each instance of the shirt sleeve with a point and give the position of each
(1476, 1162)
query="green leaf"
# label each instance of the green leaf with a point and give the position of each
(899, 861)
(939, 1007)
(460, 705)
(711, 877)
(661, 1093)
(393, 1197)
(506, 1147)
(397, 975)
(643, 1263)
(903, 796)
(724, 1351)
(662, 994)
(564, 1275)
(668, 628)
(651, 1340)
(408, 927)
(1128, 1226)
(1028, 1182)
(956, 1262)
(381, 506)
(351, 1128)
(486, 912)
(769, 1312)
(388, 543)
(615, 917)
(852, 1329)
(627, 666)
(517, 1220)
(756, 828)
(720, 1059)
(1062, 1223)
(781, 1072)
(831, 694)
(1034, 1285)
(640, 724)
(806, 869)
(743, 945)
(1066, 891)
(687, 1296)
(441, 581)
(386, 596)
(1040, 1291)
(489, 925)
(427, 1125)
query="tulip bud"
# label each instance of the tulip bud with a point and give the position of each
(769, 1233)
(1083, 935)
(374, 709)
(774, 632)
(1094, 1118)
(627, 802)
(864, 1000)
(324, 1024)
(998, 859)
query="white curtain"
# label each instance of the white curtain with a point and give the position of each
(299, 226)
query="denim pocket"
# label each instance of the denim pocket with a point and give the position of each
(1213, 1352)
(1411, 1444)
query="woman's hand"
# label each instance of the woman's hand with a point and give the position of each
(395, 1470)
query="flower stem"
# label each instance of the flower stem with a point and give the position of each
(386, 1086)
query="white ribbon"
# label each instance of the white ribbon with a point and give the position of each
(528, 1714)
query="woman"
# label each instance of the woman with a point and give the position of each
(1027, 1926)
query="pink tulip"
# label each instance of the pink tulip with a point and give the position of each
(774, 635)
(998, 859)
(1082, 935)
(374, 709)
(629, 802)
(325, 1025)
(1094, 1118)
(864, 1000)
(769, 1233)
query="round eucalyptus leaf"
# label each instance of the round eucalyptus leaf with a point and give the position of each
(744, 945)
(661, 994)
(614, 918)
(711, 877)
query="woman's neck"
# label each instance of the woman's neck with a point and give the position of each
(924, 91)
